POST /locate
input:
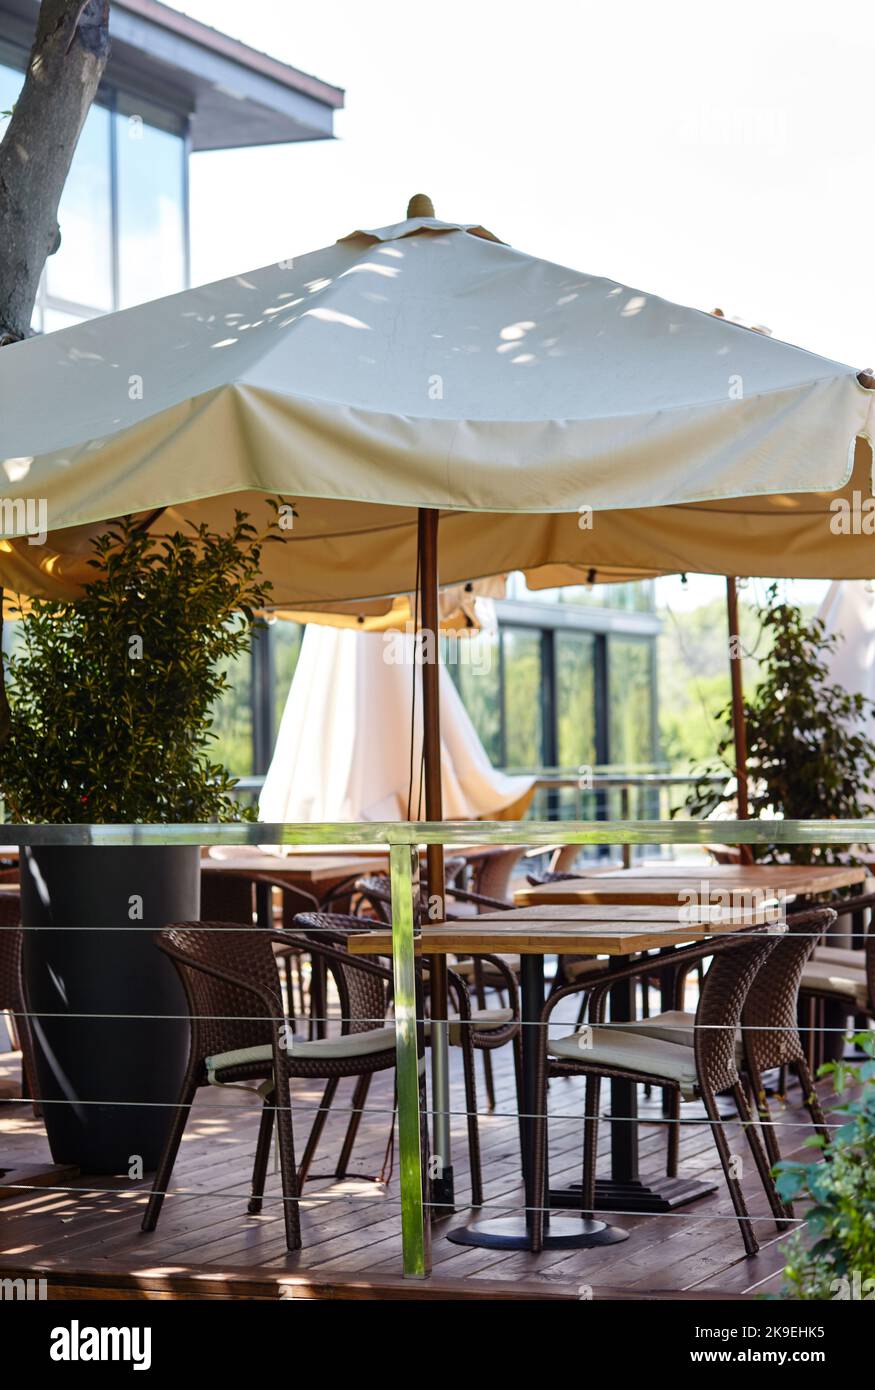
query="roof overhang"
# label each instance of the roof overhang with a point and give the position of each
(233, 95)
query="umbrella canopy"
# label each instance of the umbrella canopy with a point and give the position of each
(428, 365)
(344, 749)
(461, 608)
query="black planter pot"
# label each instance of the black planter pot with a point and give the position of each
(108, 1083)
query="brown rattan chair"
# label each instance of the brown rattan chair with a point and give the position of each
(229, 896)
(472, 1029)
(842, 976)
(770, 1031)
(480, 973)
(12, 997)
(239, 1033)
(492, 878)
(632, 1052)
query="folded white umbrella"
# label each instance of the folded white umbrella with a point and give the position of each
(344, 746)
(848, 612)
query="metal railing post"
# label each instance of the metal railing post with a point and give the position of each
(415, 1231)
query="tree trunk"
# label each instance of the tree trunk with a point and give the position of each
(63, 73)
(64, 70)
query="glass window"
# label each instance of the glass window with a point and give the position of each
(10, 86)
(477, 674)
(285, 639)
(100, 266)
(523, 706)
(637, 597)
(575, 699)
(630, 680)
(80, 271)
(151, 207)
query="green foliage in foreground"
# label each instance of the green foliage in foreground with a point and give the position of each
(807, 758)
(837, 1260)
(111, 694)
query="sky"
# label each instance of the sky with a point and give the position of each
(719, 156)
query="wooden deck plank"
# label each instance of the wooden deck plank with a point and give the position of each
(206, 1245)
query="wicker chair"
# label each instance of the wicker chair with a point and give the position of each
(12, 991)
(770, 1032)
(239, 1033)
(479, 972)
(494, 873)
(840, 976)
(770, 1035)
(472, 1029)
(230, 897)
(634, 1052)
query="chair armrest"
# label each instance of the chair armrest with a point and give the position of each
(843, 907)
(330, 953)
(681, 956)
(465, 896)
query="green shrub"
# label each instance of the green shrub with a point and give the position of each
(110, 695)
(807, 757)
(835, 1256)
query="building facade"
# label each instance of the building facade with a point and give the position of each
(172, 87)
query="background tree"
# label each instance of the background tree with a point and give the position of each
(808, 757)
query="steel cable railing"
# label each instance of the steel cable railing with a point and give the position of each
(409, 1019)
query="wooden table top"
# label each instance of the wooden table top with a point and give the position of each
(578, 929)
(298, 868)
(669, 883)
(319, 866)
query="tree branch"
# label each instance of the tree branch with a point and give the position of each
(64, 70)
(63, 73)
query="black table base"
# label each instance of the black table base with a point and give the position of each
(635, 1195)
(560, 1233)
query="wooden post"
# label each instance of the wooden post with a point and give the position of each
(427, 539)
(739, 729)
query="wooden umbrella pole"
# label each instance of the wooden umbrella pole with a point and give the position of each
(427, 539)
(739, 728)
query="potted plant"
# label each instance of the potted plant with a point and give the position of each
(835, 1257)
(807, 757)
(110, 700)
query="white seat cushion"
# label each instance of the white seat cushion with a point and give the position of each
(675, 1026)
(841, 955)
(483, 1020)
(465, 968)
(459, 908)
(837, 979)
(575, 970)
(614, 1047)
(349, 1045)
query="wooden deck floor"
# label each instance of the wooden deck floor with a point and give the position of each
(87, 1239)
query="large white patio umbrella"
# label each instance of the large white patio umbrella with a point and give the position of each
(554, 421)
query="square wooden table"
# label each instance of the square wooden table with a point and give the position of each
(618, 932)
(672, 883)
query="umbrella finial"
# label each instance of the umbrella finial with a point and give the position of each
(420, 205)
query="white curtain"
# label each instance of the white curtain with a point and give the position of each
(848, 611)
(343, 749)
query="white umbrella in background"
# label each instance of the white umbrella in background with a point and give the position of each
(344, 749)
(848, 612)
